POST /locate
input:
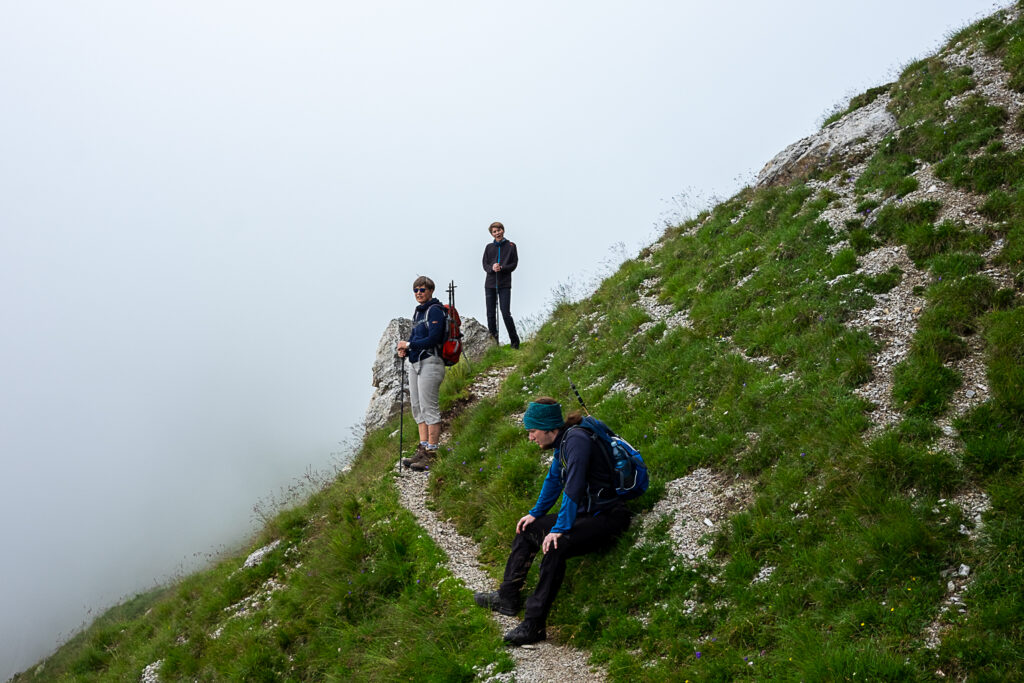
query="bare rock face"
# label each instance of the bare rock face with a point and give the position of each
(387, 375)
(862, 128)
(475, 340)
(386, 401)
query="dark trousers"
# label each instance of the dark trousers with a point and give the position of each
(502, 297)
(588, 535)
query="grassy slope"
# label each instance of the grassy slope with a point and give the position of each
(857, 578)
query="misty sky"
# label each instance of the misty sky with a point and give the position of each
(209, 211)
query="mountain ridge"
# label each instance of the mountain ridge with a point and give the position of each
(845, 338)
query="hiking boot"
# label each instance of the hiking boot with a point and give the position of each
(420, 453)
(527, 632)
(515, 344)
(422, 464)
(493, 602)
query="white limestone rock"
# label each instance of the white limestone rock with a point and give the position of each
(386, 402)
(861, 128)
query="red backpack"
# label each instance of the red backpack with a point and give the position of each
(451, 347)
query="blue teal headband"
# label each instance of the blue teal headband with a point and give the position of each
(545, 416)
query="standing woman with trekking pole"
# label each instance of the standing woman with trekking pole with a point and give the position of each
(500, 258)
(427, 371)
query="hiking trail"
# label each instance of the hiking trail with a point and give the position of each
(541, 662)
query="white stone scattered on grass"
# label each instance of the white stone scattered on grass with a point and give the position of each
(151, 674)
(690, 503)
(257, 555)
(763, 575)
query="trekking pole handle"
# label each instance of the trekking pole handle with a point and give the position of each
(578, 397)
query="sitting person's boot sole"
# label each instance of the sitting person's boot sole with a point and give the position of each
(525, 634)
(493, 602)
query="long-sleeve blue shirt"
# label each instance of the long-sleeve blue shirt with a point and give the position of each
(568, 476)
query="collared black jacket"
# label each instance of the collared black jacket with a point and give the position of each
(505, 254)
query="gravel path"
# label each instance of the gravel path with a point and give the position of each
(545, 661)
(702, 500)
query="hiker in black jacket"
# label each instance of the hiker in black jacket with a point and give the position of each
(500, 259)
(591, 518)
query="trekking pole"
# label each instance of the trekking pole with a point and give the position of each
(498, 320)
(401, 415)
(578, 397)
(451, 306)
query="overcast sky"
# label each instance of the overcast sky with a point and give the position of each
(209, 211)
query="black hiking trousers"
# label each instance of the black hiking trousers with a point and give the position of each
(589, 534)
(500, 298)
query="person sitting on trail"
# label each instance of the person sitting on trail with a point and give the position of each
(422, 349)
(590, 519)
(500, 259)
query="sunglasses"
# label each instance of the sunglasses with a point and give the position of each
(419, 290)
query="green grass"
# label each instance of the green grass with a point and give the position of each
(949, 141)
(762, 389)
(1005, 41)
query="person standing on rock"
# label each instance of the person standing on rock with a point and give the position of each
(423, 351)
(500, 259)
(590, 519)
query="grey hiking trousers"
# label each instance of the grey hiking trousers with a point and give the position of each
(424, 388)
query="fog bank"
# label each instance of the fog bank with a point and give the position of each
(211, 210)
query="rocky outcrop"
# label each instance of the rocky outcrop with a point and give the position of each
(386, 402)
(862, 128)
(475, 340)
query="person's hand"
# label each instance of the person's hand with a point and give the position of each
(524, 522)
(496, 267)
(551, 540)
(403, 349)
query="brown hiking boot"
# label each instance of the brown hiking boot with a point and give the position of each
(423, 463)
(421, 452)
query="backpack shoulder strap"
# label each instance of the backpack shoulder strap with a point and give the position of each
(444, 320)
(426, 321)
(596, 483)
(565, 436)
(600, 443)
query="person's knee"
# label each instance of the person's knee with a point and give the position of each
(532, 536)
(524, 543)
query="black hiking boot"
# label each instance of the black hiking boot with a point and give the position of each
(493, 602)
(527, 632)
(420, 453)
(422, 464)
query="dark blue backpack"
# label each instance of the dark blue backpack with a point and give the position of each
(629, 472)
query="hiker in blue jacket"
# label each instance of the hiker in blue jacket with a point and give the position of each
(500, 259)
(591, 518)
(423, 351)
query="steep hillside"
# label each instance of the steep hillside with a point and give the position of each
(826, 376)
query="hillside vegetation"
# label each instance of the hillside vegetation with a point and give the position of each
(846, 348)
